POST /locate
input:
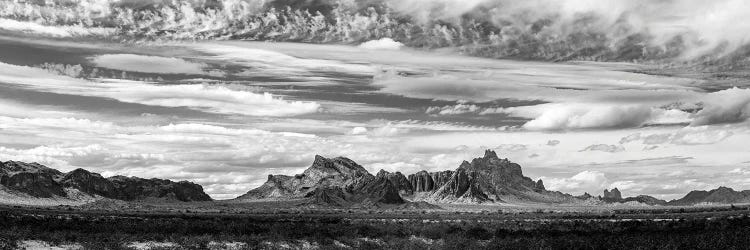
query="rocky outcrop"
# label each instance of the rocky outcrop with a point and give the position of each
(539, 185)
(333, 196)
(721, 195)
(463, 186)
(402, 183)
(441, 178)
(88, 182)
(612, 196)
(31, 178)
(39, 181)
(40, 185)
(381, 190)
(421, 181)
(134, 188)
(584, 196)
(424, 181)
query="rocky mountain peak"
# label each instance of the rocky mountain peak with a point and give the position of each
(335, 181)
(539, 185)
(490, 154)
(498, 171)
(323, 166)
(613, 195)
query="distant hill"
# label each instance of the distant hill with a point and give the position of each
(33, 180)
(614, 196)
(721, 195)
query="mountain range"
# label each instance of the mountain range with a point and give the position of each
(33, 180)
(336, 182)
(488, 179)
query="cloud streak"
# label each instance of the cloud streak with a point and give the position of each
(223, 99)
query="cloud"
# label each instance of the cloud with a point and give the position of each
(566, 117)
(209, 98)
(726, 106)
(552, 143)
(394, 167)
(702, 135)
(698, 137)
(656, 139)
(630, 138)
(382, 44)
(148, 64)
(358, 131)
(454, 109)
(702, 25)
(592, 182)
(604, 148)
(268, 61)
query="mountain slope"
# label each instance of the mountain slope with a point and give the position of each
(337, 182)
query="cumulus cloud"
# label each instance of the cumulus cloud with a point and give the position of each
(726, 106)
(382, 44)
(358, 131)
(147, 64)
(565, 117)
(211, 98)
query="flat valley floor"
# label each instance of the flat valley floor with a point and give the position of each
(226, 225)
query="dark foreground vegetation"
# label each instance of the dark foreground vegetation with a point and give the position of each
(660, 229)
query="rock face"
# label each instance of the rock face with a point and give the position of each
(338, 181)
(424, 181)
(721, 195)
(464, 186)
(612, 196)
(42, 182)
(402, 184)
(134, 188)
(88, 182)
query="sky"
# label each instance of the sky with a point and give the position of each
(226, 114)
